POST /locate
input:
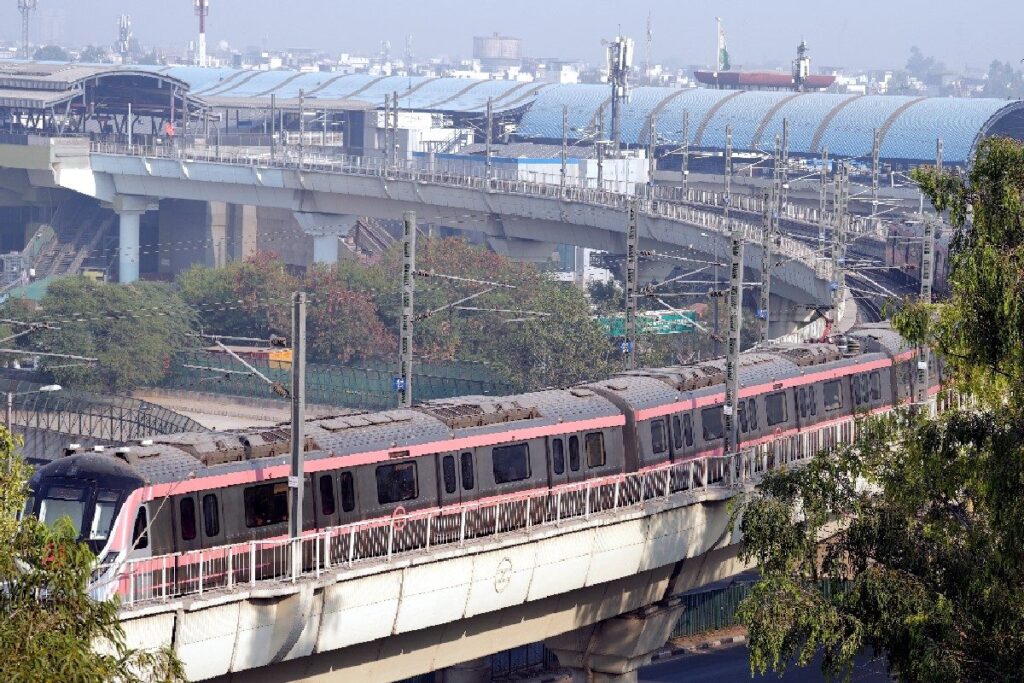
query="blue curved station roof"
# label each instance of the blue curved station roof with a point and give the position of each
(844, 124)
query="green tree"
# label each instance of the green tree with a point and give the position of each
(922, 67)
(131, 329)
(922, 516)
(344, 324)
(250, 298)
(51, 629)
(51, 53)
(94, 54)
(1004, 81)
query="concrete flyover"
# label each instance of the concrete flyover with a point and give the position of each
(325, 193)
(450, 586)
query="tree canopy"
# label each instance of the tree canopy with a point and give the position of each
(922, 515)
(51, 629)
(51, 53)
(132, 330)
(353, 315)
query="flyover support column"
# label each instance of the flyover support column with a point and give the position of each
(325, 229)
(129, 212)
(612, 651)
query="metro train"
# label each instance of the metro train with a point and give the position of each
(201, 490)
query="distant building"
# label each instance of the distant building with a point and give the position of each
(497, 52)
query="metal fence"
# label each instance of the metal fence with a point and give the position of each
(368, 387)
(95, 417)
(225, 567)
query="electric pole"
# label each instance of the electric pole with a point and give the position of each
(565, 147)
(686, 155)
(770, 223)
(404, 383)
(764, 310)
(302, 126)
(732, 363)
(632, 276)
(295, 480)
(823, 201)
(927, 280)
(489, 136)
(784, 175)
(726, 201)
(387, 130)
(394, 125)
(875, 155)
(652, 151)
(273, 125)
(839, 237)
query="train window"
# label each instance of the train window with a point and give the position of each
(574, 453)
(711, 419)
(688, 429)
(103, 515)
(557, 456)
(467, 471)
(752, 417)
(677, 433)
(187, 513)
(595, 446)
(876, 387)
(348, 492)
(327, 506)
(140, 534)
(396, 483)
(832, 392)
(448, 473)
(658, 441)
(812, 400)
(511, 463)
(211, 516)
(265, 504)
(741, 414)
(63, 501)
(775, 408)
(801, 402)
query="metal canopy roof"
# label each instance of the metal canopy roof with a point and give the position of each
(843, 123)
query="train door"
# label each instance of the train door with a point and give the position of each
(574, 469)
(325, 507)
(449, 492)
(210, 525)
(558, 465)
(186, 524)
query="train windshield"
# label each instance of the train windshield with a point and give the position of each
(73, 502)
(63, 501)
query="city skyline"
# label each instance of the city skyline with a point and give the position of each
(682, 35)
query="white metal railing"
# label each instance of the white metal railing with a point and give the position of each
(653, 201)
(223, 568)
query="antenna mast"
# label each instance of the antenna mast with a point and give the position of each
(26, 7)
(202, 10)
(620, 61)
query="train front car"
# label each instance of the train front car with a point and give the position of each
(92, 490)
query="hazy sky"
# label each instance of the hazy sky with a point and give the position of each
(844, 33)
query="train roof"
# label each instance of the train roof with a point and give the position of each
(177, 457)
